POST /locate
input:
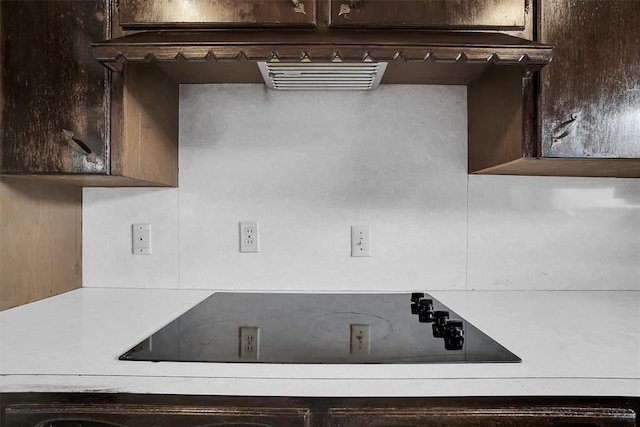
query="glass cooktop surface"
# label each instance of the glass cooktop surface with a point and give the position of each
(320, 328)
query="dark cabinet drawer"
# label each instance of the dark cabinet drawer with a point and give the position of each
(482, 417)
(217, 13)
(153, 416)
(496, 14)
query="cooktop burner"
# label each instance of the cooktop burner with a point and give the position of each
(320, 328)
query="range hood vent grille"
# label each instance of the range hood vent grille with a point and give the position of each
(322, 76)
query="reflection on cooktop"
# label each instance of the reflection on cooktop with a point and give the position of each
(320, 328)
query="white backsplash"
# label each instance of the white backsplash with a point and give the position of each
(308, 165)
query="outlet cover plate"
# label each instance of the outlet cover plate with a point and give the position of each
(141, 236)
(249, 343)
(249, 240)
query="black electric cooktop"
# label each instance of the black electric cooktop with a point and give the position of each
(320, 328)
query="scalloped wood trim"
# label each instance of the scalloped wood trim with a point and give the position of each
(459, 48)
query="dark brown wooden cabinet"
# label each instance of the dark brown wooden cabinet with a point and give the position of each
(588, 113)
(108, 410)
(217, 13)
(141, 411)
(590, 93)
(66, 117)
(515, 126)
(448, 14)
(55, 94)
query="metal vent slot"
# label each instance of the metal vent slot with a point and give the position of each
(322, 76)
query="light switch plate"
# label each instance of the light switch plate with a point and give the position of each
(360, 340)
(360, 241)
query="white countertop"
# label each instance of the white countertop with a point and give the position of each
(571, 343)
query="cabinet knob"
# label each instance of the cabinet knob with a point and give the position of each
(346, 8)
(440, 318)
(454, 335)
(298, 6)
(564, 129)
(425, 310)
(415, 297)
(79, 146)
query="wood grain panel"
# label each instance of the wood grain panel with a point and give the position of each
(216, 13)
(549, 166)
(590, 93)
(495, 104)
(86, 180)
(144, 144)
(40, 240)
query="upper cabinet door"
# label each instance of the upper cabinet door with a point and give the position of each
(590, 93)
(55, 92)
(217, 13)
(481, 14)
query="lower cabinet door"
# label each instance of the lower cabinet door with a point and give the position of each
(153, 416)
(482, 417)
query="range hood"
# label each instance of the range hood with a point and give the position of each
(322, 76)
(232, 56)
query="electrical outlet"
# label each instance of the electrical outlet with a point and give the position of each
(360, 344)
(360, 241)
(141, 235)
(249, 236)
(249, 343)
